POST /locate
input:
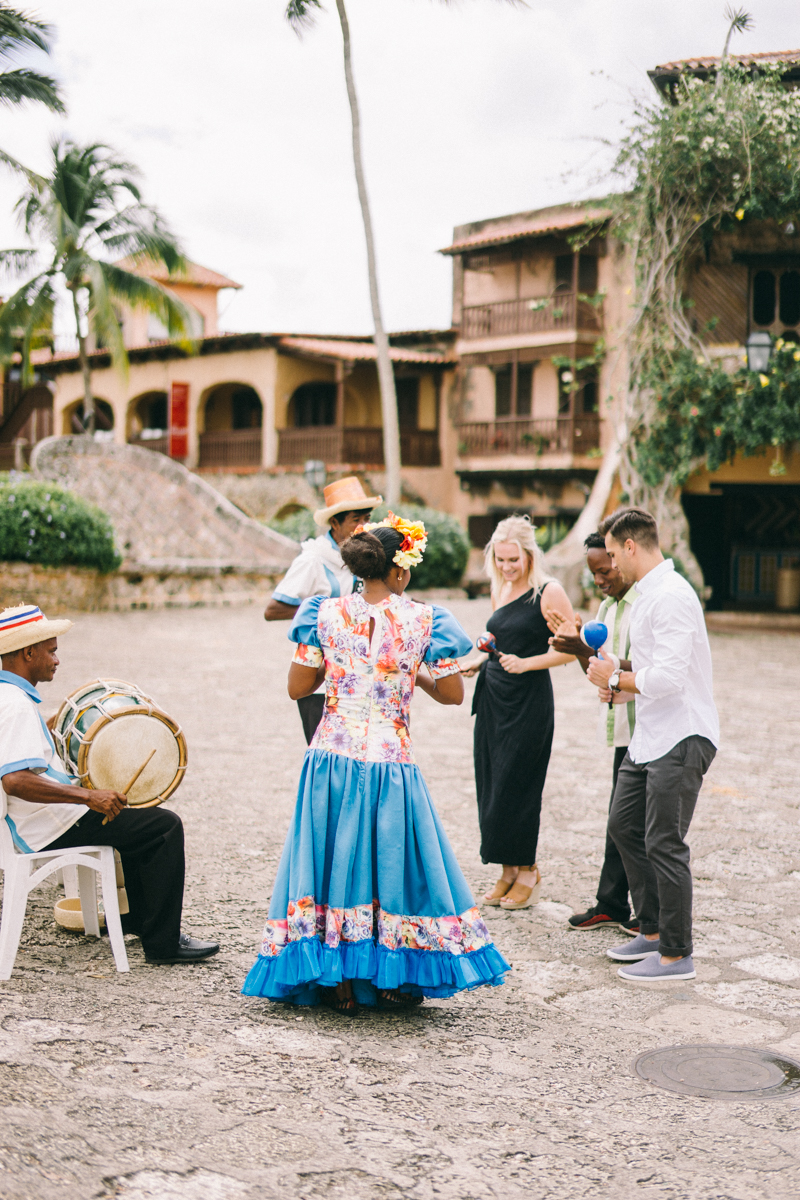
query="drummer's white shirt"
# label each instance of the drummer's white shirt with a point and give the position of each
(26, 745)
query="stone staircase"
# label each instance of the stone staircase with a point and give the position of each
(182, 542)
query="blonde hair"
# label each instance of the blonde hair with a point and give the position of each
(522, 532)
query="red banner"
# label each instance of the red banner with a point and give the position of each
(179, 420)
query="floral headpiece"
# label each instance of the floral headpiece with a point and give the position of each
(415, 538)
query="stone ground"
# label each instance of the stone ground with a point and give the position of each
(167, 1083)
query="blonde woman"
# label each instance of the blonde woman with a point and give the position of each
(514, 708)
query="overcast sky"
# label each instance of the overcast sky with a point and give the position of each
(470, 110)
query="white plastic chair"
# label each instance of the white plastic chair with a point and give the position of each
(23, 872)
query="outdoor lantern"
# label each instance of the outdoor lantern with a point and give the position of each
(759, 349)
(315, 473)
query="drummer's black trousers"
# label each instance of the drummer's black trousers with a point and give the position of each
(150, 844)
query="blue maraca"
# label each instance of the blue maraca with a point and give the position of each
(486, 643)
(594, 634)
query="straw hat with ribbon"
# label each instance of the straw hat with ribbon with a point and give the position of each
(345, 495)
(26, 625)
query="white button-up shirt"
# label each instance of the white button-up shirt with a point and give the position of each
(671, 659)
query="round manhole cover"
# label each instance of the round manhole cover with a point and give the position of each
(720, 1072)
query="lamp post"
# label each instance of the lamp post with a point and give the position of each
(759, 350)
(316, 473)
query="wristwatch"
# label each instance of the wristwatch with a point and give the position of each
(613, 681)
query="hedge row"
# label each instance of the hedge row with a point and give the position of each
(42, 523)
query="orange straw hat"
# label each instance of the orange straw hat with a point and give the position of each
(345, 495)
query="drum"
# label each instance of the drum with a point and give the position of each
(107, 729)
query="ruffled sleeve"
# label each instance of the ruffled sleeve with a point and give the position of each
(448, 642)
(303, 631)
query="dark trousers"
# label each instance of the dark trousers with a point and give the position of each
(311, 713)
(650, 816)
(612, 890)
(150, 844)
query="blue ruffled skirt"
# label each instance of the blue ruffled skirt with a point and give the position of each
(368, 889)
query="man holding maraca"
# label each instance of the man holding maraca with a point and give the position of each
(674, 743)
(610, 629)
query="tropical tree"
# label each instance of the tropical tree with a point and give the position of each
(700, 162)
(79, 221)
(300, 14)
(20, 32)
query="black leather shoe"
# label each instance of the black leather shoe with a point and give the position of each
(189, 950)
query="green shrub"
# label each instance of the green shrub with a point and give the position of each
(298, 525)
(445, 559)
(42, 523)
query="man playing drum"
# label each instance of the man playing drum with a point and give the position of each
(47, 811)
(319, 570)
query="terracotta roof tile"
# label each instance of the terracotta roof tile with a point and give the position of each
(195, 274)
(358, 351)
(528, 225)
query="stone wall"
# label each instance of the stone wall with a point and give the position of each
(165, 518)
(59, 590)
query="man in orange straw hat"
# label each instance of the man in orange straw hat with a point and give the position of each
(45, 809)
(319, 570)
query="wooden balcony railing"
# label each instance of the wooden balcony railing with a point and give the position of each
(159, 444)
(353, 444)
(231, 449)
(544, 315)
(556, 435)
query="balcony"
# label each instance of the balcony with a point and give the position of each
(230, 450)
(529, 436)
(353, 444)
(545, 315)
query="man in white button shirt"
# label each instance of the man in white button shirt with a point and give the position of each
(673, 744)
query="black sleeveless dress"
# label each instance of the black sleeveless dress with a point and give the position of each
(513, 736)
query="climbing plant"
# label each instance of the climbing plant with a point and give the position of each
(717, 154)
(709, 157)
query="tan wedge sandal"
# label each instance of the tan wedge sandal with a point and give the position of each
(497, 893)
(520, 896)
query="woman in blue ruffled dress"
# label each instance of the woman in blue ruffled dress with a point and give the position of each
(370, 905)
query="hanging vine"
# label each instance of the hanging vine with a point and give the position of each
(718, 154)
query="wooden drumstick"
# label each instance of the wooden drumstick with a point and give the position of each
(136, 775)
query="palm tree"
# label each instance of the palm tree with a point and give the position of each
(299, 13)
(19, 32)
(79, 213)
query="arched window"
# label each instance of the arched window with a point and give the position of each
(103, 417)
(232, 406)
(313, 404)
(149, 415)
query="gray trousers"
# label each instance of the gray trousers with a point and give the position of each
(650, 815)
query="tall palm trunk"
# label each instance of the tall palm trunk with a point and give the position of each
(86, 370)
(391, 428)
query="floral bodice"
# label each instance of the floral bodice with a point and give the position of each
(368, 687)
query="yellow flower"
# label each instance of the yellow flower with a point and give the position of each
(779, 344)
(740, 214)
(764, 380)
(796, 356)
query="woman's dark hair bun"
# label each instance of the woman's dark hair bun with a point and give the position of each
(370, 555)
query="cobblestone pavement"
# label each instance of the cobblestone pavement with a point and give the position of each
(167, 1083)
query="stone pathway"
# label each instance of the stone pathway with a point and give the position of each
(167, 1083)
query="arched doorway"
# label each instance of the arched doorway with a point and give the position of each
(312, 404)
(148, 421)
(103, 419)
(231, 420)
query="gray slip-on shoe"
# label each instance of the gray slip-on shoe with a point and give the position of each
(635, 950)
(652, 970)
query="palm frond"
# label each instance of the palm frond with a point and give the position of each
(40, 319)
(35, 182)
(22, 84)
(140, 292)
(16, 314)
(103, 318)
(301, 14)
(15, 262)
(138, 232)
(19, 29)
